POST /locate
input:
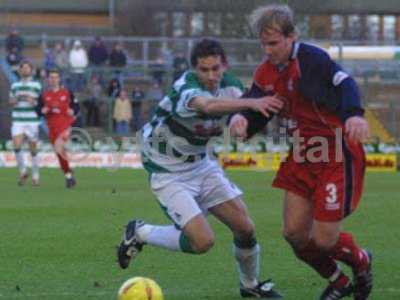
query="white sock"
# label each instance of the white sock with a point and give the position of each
(161, 236)
(335, 275)
(248, 262)
(35, 167)
(20, 162)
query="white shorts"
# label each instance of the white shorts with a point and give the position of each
(29, 130)
(185, 195)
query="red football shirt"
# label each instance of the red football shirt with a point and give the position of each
(302, 114)
(59, 102)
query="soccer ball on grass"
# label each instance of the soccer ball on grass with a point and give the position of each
(140, 288)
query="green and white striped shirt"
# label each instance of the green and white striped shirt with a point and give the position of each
(24, 112)
(177, 138)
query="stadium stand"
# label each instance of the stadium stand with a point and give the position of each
(377, 129)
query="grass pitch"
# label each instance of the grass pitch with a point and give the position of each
(60, 244)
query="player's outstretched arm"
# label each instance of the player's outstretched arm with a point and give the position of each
(214, 106)
(252, 121)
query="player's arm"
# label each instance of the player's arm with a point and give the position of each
(248, 122)
(32, 100)
(349, 106)
(12, 100)
(214, 106)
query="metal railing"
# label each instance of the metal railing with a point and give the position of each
(243, 57)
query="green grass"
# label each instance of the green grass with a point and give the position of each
(60, 244)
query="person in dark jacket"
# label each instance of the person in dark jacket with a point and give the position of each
(98, 53)
(117, 56)
(14, 58)
(180, 65)
(14, 40)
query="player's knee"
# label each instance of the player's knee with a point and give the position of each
(295, 238)
(246, 230)
(203, 245)
(58, 148)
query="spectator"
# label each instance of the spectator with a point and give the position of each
(92, 103)
(118, 61)
(98, 53)
(117, 56)
(166, 55)
(154, 95)
(158, 70)
(78, 62)
(49, 59)
(60, 57)
(14, 57)
(14, 40)
(137, 99)
(122, 113)
(180, 65)
(114, 88)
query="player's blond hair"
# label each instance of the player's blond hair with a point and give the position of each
(273, 17)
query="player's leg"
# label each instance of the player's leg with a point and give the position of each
(32, 132)
(190, 233)
(59, 141)
(18, 138)
(35, 163)
(298, 231)
(340, 245)
(233, 213)
(337, 196)
(222, 198)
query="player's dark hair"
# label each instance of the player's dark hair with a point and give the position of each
(25, 62)
(207, 47)
(54, 70)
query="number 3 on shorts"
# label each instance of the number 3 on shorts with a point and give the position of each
(332, 193)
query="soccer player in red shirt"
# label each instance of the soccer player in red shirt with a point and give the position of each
(324, 172)
(60, 108)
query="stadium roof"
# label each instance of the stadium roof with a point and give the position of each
(87, 6)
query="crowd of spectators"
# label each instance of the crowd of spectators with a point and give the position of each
(97, 75)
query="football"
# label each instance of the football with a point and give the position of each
(140, 288)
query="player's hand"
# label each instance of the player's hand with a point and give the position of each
(268, 104)
(357, 129)
(70, 112)
(31, 100)
(45, 110)
(238, 126)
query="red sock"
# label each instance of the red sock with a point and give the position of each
(348, 252)
(317, 259)
(64, 164)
